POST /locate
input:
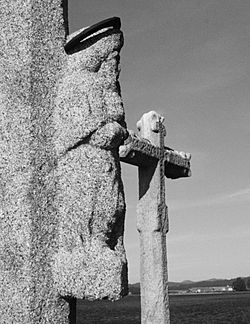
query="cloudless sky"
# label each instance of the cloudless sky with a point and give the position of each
(190, 61)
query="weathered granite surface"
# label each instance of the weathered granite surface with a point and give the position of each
(90, 126)
(141, 152)
(32, 36)
(61, 197)
(152, 225)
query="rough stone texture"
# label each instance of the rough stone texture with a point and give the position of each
(90, 126)
(31, 49)
(155, 160)
(152, 224)
(61, 196)
(140, 152)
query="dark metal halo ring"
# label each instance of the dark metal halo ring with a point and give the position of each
(114, 22)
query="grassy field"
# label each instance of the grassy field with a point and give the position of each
(230, 308)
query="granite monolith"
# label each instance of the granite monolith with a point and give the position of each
(61, 197)
(32, 52)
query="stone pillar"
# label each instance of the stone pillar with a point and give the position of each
(152, 225)
(31, 47)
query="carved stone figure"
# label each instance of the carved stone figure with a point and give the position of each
(90, 127)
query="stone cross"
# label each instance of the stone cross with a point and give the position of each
(155, 161)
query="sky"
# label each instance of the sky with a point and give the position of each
(189, 61)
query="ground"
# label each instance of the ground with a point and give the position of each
(228, 308)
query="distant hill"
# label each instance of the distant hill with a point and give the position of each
(205, 283)
(187, 284)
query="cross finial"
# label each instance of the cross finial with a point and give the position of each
(150, 126)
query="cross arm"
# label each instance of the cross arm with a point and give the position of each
(140, 152)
